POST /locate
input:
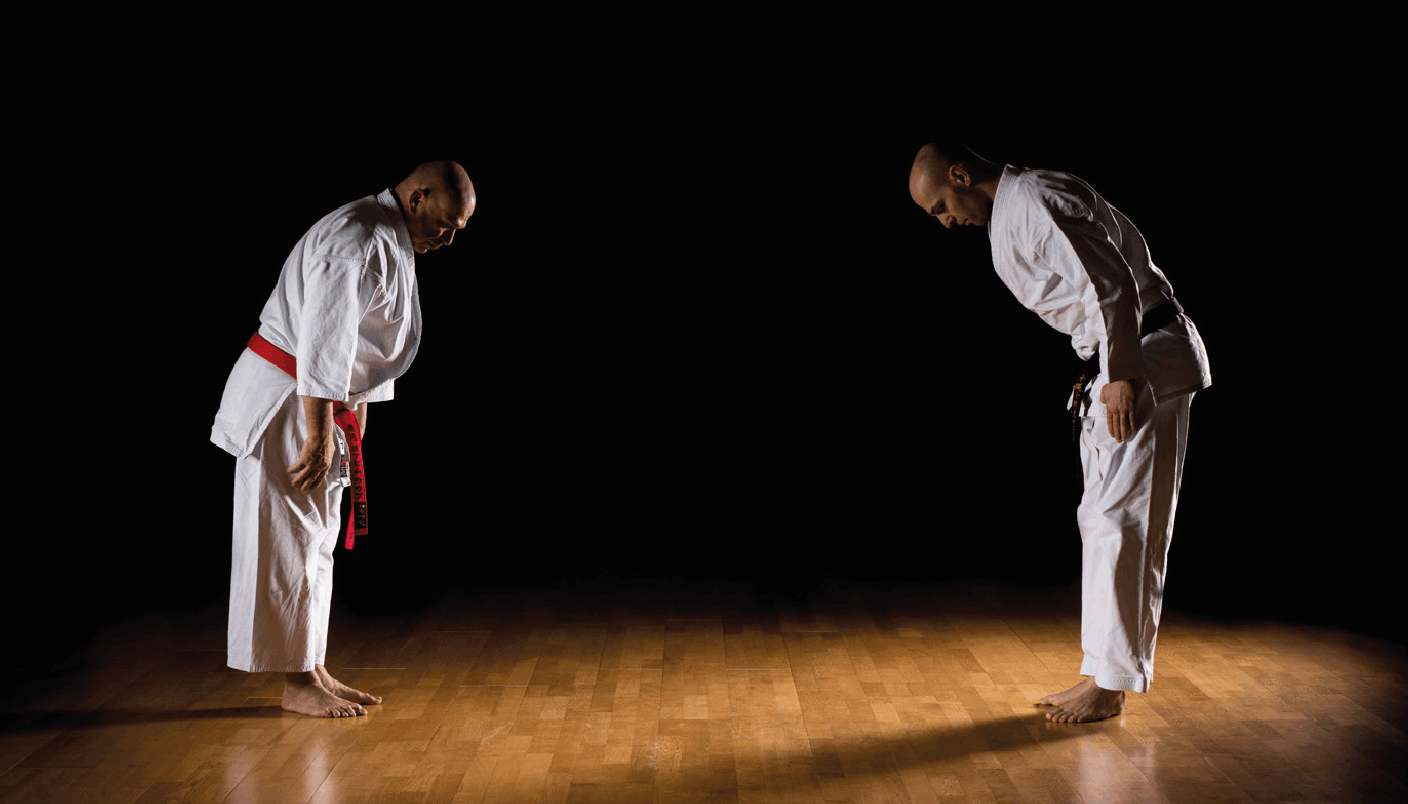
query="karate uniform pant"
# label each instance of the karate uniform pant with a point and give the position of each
(1126, 524)
(281, 569)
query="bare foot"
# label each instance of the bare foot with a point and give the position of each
(342, 690)
(1056, 699)
(1083, 703)
(305, 694)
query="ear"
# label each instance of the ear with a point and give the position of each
(958, 175)
(416, 199)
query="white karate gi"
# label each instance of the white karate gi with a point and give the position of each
(346, 306)
(1081, 265)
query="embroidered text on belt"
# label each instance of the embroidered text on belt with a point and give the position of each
(346, 419)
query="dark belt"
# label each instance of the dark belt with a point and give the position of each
(346, 419)
(1153, 321)
(1160, 317)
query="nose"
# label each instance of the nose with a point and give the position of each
(449, 237)
(948, 221)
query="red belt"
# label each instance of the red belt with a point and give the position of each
(344, 418)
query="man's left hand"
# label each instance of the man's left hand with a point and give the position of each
(1118, 399)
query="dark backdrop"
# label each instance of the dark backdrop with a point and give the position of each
(695, 329)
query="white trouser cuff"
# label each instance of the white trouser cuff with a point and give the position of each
(1126, 683)
(1106, 681)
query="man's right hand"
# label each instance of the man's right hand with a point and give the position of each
(319, 448)
(313, 463)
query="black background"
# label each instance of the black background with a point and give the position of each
(696, 329)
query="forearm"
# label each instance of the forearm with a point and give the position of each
(316, 456)
(317, 412)
(362, 418)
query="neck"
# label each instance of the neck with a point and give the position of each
(986, 179)
(988, 187)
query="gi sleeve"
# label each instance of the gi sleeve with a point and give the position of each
(1078, 249)
(332, 311)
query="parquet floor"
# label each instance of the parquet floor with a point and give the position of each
(622, 692)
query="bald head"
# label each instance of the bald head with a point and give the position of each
(930, 161)
(953, 184)
(437, 200)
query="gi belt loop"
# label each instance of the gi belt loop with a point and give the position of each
(344, 418)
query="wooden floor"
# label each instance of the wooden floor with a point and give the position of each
(628, 692)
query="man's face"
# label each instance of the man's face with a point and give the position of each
(433, 220)
(951, 197)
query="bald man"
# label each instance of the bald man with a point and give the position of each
(342, 324)
(1077, 262)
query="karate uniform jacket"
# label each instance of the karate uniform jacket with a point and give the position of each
(346, 306)
(1077, 262)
